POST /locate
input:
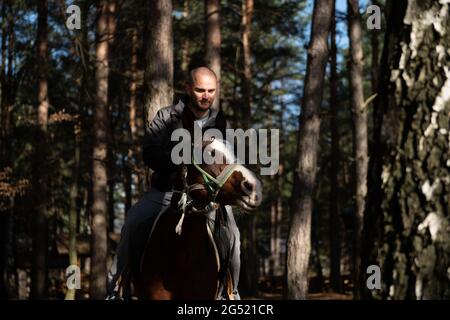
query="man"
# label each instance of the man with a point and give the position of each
(201, 92)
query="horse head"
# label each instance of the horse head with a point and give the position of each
(223, 181)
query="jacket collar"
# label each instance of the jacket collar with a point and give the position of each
(184, 101)
(216, 118)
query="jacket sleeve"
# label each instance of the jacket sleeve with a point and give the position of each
(156, 144)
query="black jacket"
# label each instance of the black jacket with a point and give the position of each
(157, 144)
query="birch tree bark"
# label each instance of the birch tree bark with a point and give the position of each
(414, 243)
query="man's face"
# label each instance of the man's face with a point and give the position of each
(202, 91)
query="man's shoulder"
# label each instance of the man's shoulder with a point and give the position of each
(168, 112)
(176, 108)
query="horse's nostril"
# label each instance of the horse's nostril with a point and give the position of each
(247, 187)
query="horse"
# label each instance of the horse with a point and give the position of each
(180, 259)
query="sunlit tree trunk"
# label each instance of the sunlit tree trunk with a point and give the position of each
(158, 77)
(249, 261)
(299, 239)
(213, 42)
(335, 238)
(247, 13)
(359, 112)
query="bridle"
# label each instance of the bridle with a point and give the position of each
(211, 184)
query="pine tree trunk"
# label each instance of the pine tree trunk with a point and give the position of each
(105, 27)
(213, 42)
(40, 217)
(86, 102)
(335, 238)
(247, 13)
(73, 213)
(132, 107)
(315, 255)
(249, 261)
(414, 244)
(158, 76)
(299, 239)
(185, 42)
(360, 130)
(135, 163)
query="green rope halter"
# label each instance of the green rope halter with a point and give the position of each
(215, 184)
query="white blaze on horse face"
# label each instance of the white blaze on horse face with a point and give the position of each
(238, 137)
(253, 196)
(223, 151)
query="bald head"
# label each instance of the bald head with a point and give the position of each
(201, 89)
(196, 73)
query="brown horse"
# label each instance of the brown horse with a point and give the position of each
(181, 260)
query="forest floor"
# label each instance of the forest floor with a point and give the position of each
(310, 296)
(272, 290)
